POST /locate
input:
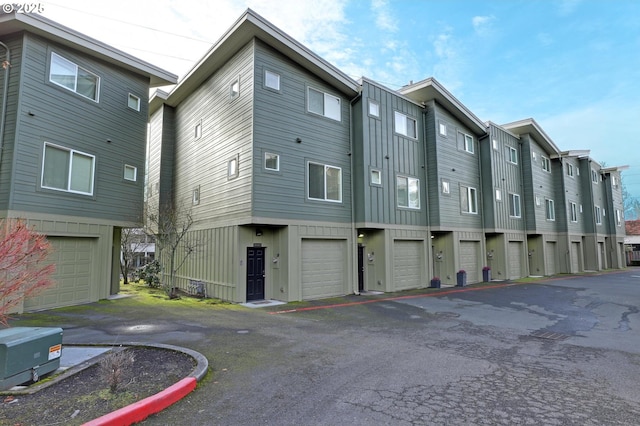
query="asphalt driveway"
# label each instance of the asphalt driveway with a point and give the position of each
(561, 351)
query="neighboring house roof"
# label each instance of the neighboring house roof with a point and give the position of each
(632, 227)
(430, 88)
(529, 125)
(37, 24)
(251, 25)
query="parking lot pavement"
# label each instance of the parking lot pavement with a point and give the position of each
(563, 351)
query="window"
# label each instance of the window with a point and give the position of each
(513, 155)
(408, 192)
(514, 205)
(130, 172)
(598, 215)
(234, 90)
(550, 209)
(618, 217)
(594, 176)
(324, 182)
(66, 74)
(538, 201)
(376, 177)
(405, 125)
(534, 156)
(271, 161)
(469, 200)
(494, 142)
(374, 108)
(271, 80)
(133, 102)
(468, 143)
(614, 181)
(443, 129)
(198, 131)
(570, 170)
(573, 208)
(195, 198)
(498, 195)
(546, 164)
(445, 187)
(232, 168)
(323, 104)
(65, 169)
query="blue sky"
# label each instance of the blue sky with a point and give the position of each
(572, 65)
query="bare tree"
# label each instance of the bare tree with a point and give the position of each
(171, 224)
(23, 270)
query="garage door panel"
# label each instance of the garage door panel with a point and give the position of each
(323, 268)
(515, 259)
(407, 265)
(469, 252)
(551, 253)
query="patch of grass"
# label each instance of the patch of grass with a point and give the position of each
(119, 399)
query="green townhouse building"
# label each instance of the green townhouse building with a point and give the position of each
(304, 183)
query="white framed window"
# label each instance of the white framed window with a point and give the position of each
(130, 173)
(271, 161)
(618, 217)
(323, 104)
(408, 190)
(534, 156)
(598, 213)
(66, 169)
(550, 209)
(498, 194)
(324, 182)
(514, 205)
(442, 128)
(546, 164)
(594, 176)
(197, 133)
(272, 80)
(67, 74)
(195, 196)
(580, 208)
(376, 177)
(614, 181)
(538, 201)
(469, 199)
(374, 108)
(405, 125)
(494, 143)
(573, 210)
(234, 89)
(133, 102)
(233, 168)
(445, 187)
(467, 142)
(569, 170)
(513, 155)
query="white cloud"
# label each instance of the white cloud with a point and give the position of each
(449, 65)
(482, 25)
(384, 17)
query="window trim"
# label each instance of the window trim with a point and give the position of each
(409, 180)
(512, 152)
(546, 164)
(445, 187)
(195, 196)
(550, 209)
(137, 98)
(325, 166)
(619, 217)
(372, 102)
(373, 172)
(598, 215)
(75, 89)
(469, 191)
(277, 156)
(512, 206)
(407, 119)
(197, 130)
(234, 172)
(325, 95)
(71, 152)
(267, 86)
(135, 173)
(442, 128)
(570, 171)
(468, 143)
(594, 176)
(234, 93)
(498, 194)
(573, 212)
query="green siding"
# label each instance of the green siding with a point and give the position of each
(538, 185)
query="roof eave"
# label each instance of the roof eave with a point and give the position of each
(530, 126)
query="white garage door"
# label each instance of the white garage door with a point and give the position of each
(551, 254)
(407, 267)
(469, 252)
(575, 257)
(323, 268)
(515, 260)
(73, 259)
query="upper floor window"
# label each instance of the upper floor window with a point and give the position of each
(618, 217)
(614, 181)
(513, 155)
(469, 199)
(442, 128)
(234, 89)
(550, 209)
(232, 168)
(271, 161)
(570, 170)
(374, 108)
(573, 209)
(498, 194)
(594, 176)
(198, 131)
(271, 80)
(546, 164)
(195, 196)
(467, 142)
(130, 172)
(405, 125)
(494, 143)
(408, 192)
(66, 169)
(324, 182)
(72, 77)
(376, 177)
(133, 102)
(323, 103)
(445, 187)
(514, 205)
(598, 213)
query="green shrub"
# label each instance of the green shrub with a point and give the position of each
(150, 273)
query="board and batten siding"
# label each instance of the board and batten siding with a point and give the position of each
(108, 129)
(280, 118)
(226, 125)
(539, 185)
(574, 194)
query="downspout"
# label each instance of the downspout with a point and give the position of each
(483, 221)
(354, 231)
(425, 114)
(6, 64)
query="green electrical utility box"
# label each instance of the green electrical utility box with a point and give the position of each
(27, 353)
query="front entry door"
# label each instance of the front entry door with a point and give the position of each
(360, 269)
(255, 273)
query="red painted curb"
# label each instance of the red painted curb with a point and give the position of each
(140, 410)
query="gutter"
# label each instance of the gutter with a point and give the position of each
(5, 89)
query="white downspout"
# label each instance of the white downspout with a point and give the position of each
(6, 64)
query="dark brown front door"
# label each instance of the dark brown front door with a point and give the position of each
(360, 268)
(255, 273)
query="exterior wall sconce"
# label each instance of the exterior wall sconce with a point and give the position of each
(298, 140)
(258, 232)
